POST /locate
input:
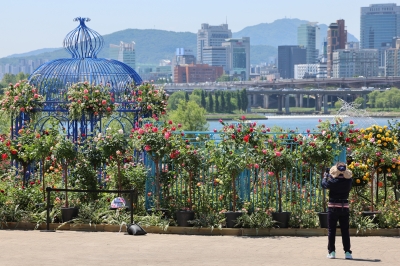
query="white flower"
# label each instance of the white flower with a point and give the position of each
(120, 131)
(323, 133)
(99, 135)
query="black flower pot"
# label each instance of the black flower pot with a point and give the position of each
(323, 219)
(231, 218)
(69, 213)
(373, 215)
(281, 218)
(182, 218)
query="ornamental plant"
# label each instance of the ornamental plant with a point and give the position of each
(191, 159)
(361, 174)
(339, 133)
(21, 97)
(275, 155)
(89, 99)
(114, 146)
(234, 153)
(150, 101)
(23, 149)
(65, 153)
(378, 150)
(155, 140)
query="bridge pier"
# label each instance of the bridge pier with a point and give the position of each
(280, 103)
(265, 101)
(254, 99)
(300, 100)
(287, 99)
(250, 99)
(326, 104)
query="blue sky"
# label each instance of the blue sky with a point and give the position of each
(27, 25)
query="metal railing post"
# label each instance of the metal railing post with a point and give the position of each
(48, 189)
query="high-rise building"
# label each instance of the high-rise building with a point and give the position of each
(214, 56)
(337, 39)
(182, 57)
(237, 57)
(211, 36)
(392, 60)
(379, 23)
(197, 73)
(307, 37)
(348, 63)
(288, 56)
(124, 52)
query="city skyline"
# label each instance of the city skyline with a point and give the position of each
(37, 25)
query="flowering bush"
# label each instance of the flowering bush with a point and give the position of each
(361, 175)
(339, 133)
(379, 136)
(149, 99)
(87, 99)
(21, 97)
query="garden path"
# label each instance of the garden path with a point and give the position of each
(106, 248)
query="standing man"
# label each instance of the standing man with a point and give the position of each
(339, 183)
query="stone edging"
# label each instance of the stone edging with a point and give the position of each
(200, 231)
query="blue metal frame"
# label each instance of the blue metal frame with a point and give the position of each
(52, 79)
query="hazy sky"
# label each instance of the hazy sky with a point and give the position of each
(27, 25)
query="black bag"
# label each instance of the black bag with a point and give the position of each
(135, 229)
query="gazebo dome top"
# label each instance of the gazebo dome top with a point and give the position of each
(54, 77)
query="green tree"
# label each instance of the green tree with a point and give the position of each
(239, 100)
(217, 107)
(210, 103)
(229, 105)
(223, 78)
(174, 99)
(244, 100)
(360, 101)
(195, 98)
(186, 96)
(190, 115)
(372, 98)
(223, 102)
(203, 99)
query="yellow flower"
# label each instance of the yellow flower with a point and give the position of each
(362, 131)
(358, 181)
(385, 144)
(395, 142)
(367, 174)
(380, 130)
(379, 135)
(393, 166)
(385, 127)
(389, 170)
(379, 169)
(379, 141)
(387, 134)
(368, 128)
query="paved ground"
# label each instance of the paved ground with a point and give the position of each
(106, 248)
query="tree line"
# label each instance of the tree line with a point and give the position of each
(386, 99)
(220, 101)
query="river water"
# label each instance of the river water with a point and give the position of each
(303, 123)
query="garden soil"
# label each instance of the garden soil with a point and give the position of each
(106, 248)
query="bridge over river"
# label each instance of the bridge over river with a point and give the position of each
(282, 94)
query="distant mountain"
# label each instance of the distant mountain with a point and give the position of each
(154, 45)
(35, 52)
(280, 32)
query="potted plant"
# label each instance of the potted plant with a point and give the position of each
(155, 140)
(65, 153)
(190, 159)
(378, 150)
(114, 145)
(274, 156)
(231, 156)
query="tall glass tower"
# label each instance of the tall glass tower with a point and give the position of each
(379, 23)
(307, 37)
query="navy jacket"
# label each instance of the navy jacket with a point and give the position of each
(339, 187)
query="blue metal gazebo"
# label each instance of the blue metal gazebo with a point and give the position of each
(53, 79)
